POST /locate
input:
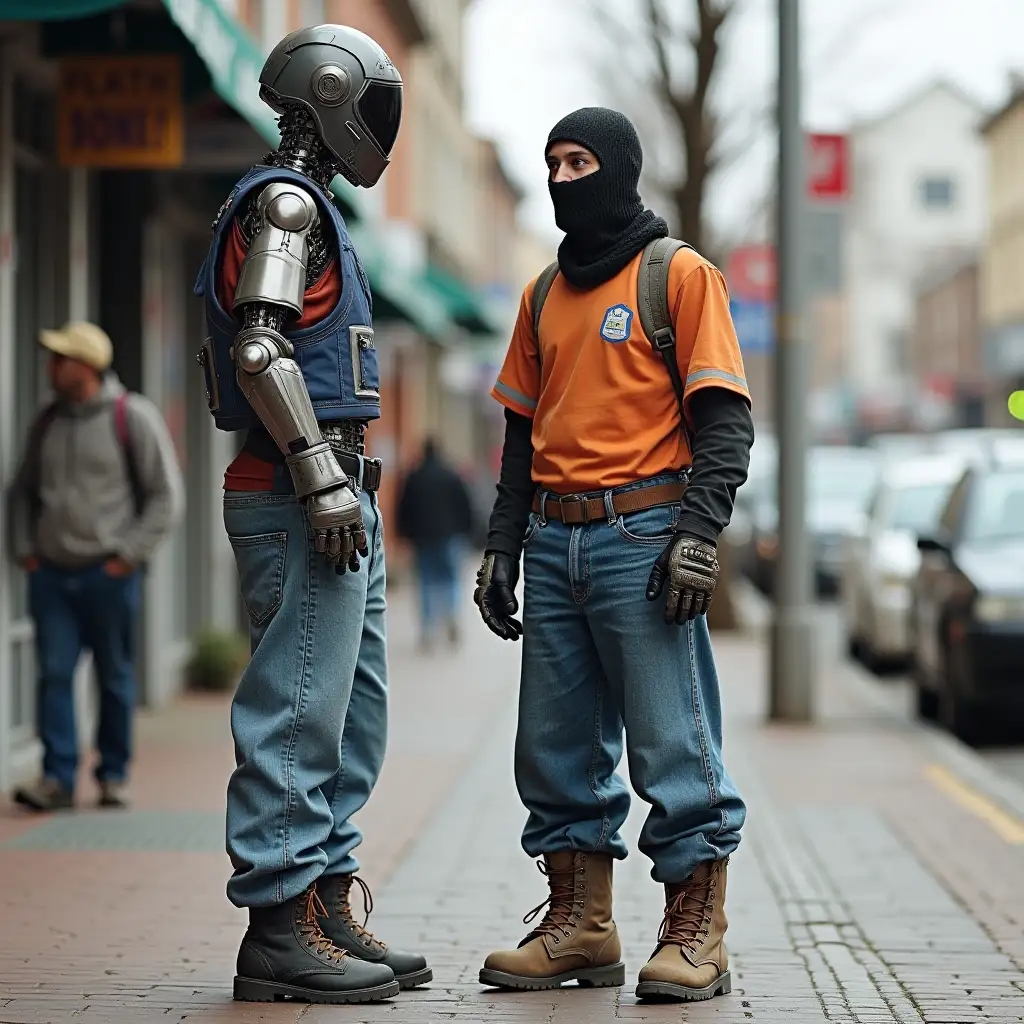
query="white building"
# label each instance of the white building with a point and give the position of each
(918, 193)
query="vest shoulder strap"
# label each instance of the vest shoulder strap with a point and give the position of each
(540, 293)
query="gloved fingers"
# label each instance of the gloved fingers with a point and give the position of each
(686, 602)
(506, 599)
(699, 604)
(672, 602)
(659, 573)
(655, 583)
(320, 541)
(353, 559)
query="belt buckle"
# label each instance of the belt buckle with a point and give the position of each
(579, 500)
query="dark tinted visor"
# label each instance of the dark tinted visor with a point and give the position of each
(379, 107)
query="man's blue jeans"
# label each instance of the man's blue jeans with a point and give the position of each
(309, 719)
(437, 566)
(599, 660)
(76, 609)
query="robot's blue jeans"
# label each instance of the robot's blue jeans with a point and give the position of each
(599, 661)
(309, 719)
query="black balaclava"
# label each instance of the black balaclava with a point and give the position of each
(602, 215)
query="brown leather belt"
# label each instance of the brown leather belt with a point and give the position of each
(574, 510)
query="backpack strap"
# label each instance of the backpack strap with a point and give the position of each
(125, 440)
(33, 450)
(540, 293)
(655, 314)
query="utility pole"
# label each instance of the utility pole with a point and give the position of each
(792, 637)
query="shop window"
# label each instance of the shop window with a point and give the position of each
(34, 119)
(937, 193)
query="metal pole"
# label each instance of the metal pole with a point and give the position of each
(792, 638)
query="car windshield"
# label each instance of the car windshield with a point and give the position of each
(997, 509)
(917, 508)
(842, 477)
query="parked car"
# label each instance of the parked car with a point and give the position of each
(840, 481)
(968, 601)
(881, 559)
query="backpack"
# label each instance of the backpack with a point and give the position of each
(652, 304)
(42, 424)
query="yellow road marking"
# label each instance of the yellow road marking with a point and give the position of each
(1007, 827)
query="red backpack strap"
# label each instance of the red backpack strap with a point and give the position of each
(121, 418)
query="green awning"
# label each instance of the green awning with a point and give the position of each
(234, 62)
(463, 305)
(53, 10)
(402, 292)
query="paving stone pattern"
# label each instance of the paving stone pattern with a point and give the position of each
(859, 894)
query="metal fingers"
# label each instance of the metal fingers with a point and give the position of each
(342, 546)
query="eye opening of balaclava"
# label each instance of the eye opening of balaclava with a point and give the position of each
(601, 213)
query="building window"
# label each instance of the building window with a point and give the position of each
(312, 12)
(937, 193)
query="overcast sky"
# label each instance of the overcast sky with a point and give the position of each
(531, 61)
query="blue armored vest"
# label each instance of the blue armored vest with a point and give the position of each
(337, 356)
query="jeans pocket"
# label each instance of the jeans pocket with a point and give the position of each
(650, 526)
(531, 529)
(260, 561)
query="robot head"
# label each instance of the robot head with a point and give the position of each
(349, 86)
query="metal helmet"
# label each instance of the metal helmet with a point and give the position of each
(348, 84)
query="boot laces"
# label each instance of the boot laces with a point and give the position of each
(310, 930)
(344, 909)
(688, 913)
(558, 920)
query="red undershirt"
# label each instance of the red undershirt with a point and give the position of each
(248, 473)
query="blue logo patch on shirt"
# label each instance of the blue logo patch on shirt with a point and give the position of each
(618, 321)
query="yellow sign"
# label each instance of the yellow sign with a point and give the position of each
(121, 112)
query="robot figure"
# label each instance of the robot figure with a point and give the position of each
(290, 358)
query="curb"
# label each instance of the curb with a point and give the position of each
(755, 613)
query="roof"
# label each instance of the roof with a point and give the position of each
(1016, 99)
(909, 100)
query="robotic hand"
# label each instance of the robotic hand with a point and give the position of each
(272, 382)
(338, 531)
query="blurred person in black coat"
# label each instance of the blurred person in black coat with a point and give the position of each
(435, 515)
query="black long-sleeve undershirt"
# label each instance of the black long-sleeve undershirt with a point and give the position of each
(722, 433)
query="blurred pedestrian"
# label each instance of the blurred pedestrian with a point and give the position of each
(435, 515)
(628, 448)
(98, 488)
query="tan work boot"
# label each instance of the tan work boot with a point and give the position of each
(691, 961)
(576, 940)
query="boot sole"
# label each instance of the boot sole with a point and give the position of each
(591, 977)
(249, 990)
(23, 800)
(415, 979)
(665, 990)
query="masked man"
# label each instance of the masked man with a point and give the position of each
(290, 358)
(625, 444)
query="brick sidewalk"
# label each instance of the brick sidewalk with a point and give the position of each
(875, 882)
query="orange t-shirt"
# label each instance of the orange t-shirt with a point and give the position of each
(247, 472)
(603, 409)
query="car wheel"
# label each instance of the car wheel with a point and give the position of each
(927, 703)
(961, 716)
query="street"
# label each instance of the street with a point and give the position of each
(881, 877)
(895, 689)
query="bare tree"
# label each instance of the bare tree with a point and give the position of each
(662, 67)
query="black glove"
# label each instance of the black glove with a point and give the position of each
(691, 567)
(495, 594)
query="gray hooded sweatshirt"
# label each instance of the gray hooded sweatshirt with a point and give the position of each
(84, 509)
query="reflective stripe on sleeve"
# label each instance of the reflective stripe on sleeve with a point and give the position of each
(729, 378)
(515, 396)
